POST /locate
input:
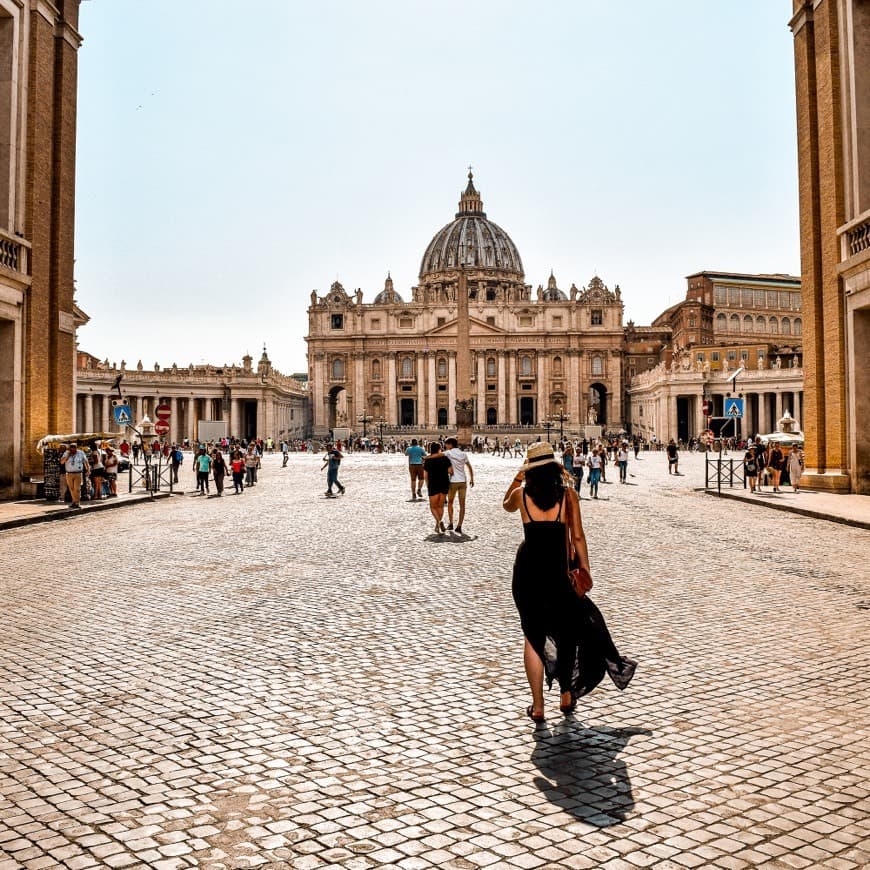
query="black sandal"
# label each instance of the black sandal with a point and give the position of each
(530, 712)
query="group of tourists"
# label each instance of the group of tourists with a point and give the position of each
(90, 474)
(211, 464)
(768, 463)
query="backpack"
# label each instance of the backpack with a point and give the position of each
(178, 457)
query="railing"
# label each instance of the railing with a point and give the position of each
(719, 472)
(13, 252)
(856, 236)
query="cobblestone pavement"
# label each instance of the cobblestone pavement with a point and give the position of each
(282, 680)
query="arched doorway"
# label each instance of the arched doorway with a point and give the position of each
(337, 411)
(491, 416)
(597, 403)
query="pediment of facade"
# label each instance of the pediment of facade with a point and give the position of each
(476, 327)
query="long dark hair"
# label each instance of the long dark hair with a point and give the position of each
(545, 485)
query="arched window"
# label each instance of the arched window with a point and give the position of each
(735, 323)
(337, 369)
(747, 323)
(525, 365)
(786, 326)
(597, 365)
(376, 369)
(442, 416)
(442, 367)
(760, 324)
(557, 365)
(774, 325)
(490, 367)
(377, 411)
(721, 323)
(407, 367)
(798, 326)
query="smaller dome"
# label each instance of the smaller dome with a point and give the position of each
(388, 295)
(553, 293)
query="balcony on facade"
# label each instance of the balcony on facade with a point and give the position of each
(14, 255)
(855, 237)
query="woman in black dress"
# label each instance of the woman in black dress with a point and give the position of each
(566, 638)
(437, 470)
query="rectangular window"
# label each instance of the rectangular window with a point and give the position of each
(772, 299)
(699, 357)
(734, 295)
(744, 355)
(597, 317)
(732, 355)
(490, 386)
(526, 386)
(490, 320)
(785, 300)
(720, 295)
(715, 355)
(442, 388)
(557, 322)
(406, 322)
(748, 296)
(337, 321)
(525, 320)
(376, 323)
(440, 321)
(406, 388)
(759, 298)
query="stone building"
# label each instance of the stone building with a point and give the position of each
(727, 320)
(252, 402)
(832, 73)
(535, 354)
(39, 43)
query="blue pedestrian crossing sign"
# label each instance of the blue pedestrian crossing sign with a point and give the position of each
(734, 407)
(122, 414)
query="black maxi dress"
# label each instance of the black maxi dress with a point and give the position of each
(568, 633)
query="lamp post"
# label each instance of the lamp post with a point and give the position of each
(365, 418)
(380, 424)
(548, 425)
(562, 418)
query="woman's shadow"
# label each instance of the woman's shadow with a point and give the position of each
(581, 771)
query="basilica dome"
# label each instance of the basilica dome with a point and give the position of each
(471, 240)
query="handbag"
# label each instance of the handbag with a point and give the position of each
(579, 578)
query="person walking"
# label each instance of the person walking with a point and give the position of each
(176, 457)
(459, 481)
(252, 463)
(237, 466)
(673, 457)
(111, 463)
(775, 464)
(415, 454)
(594, 471)
(219, 470)
(622, 460)
(437, 469)
(750, 469)
(795, 467)
(565, 636)
(285, 453)
(202, 464)
(331, 463)
(75, 465)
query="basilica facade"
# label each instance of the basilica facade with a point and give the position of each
(541, 357)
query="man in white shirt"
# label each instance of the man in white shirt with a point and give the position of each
(622, 459)
(458, 481)
(75, 464)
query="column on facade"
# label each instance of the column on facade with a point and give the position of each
(700, 419)
(747, 423)
(574, 388)
(422, 404)
(502, 392)
(673, 427)
(269, 430)
(512, 387)
(798, 409)
(431, 393)
(89, 412)
(360, 400)
(481, 388)
(451, 389)
(778, 407)
(542, 390)
(174, 430)
(191, 420)
(319, 420)
(391, 389)
(763, 413)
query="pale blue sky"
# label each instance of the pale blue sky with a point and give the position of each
(234, 156)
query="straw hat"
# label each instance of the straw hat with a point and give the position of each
(540, 453)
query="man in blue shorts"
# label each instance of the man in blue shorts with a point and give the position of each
(415, 454)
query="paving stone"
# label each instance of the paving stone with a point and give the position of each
(292, 681)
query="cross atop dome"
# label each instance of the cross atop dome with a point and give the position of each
(470, 202)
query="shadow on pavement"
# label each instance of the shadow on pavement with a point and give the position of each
(582, 773)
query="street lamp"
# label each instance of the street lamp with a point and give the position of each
(365, 418)
(562, 418)
(380, 424)
(548, 425)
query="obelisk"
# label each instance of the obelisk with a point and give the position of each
(464, 390)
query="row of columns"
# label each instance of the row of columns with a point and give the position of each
(427, 382)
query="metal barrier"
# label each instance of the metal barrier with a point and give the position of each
(151, 475)
(719, 472)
